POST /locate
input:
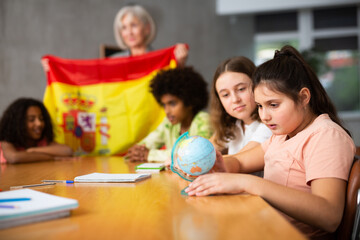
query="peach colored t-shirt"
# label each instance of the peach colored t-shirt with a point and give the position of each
(322, 150)
(42, 143)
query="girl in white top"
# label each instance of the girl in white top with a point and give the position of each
(233, 111)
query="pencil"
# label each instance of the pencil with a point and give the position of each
(32, 185)
(59, 181)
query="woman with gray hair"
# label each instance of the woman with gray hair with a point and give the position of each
(134, 30)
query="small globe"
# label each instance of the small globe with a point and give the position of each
(193, 155)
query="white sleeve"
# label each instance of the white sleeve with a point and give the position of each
(261, 134)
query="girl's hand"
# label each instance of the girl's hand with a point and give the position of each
(181, 53)
(167, 163)
(31, 150)
(215, 183)
(138, 153)
(219, 165)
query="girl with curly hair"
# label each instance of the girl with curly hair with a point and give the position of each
(183, 94)
(26, 134)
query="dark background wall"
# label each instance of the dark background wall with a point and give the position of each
(75, 29)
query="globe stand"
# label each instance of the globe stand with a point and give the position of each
(183, 192)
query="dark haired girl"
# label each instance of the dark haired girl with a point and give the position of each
(307, 160)
(26, 134)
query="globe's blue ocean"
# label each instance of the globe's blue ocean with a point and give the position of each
(194, 155)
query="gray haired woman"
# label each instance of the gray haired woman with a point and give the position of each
(134, 31)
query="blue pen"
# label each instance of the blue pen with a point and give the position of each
(14, 199)
(59, 181)
(8, 206)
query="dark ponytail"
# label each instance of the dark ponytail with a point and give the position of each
(288, 73)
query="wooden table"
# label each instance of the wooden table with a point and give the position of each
(151, 209)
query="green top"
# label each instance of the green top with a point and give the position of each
(167, 133)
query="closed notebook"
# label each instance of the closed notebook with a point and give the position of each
(112, 177)
(36, 206)
(150, 167)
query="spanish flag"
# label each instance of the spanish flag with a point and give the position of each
(103, 106)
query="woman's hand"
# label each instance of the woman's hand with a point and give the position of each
(138, 153)
(45, 65)
(181, 53)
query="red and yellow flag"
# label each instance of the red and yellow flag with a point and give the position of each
(103, 106)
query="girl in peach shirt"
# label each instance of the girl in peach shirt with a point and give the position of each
(307, 160)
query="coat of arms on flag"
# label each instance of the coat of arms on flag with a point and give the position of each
(103, 106)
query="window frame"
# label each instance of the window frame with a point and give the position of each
(306, 35)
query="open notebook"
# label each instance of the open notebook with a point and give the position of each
(27, 206)
(112, 177)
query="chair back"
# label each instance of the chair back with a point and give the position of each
(346, 226)
(356, 229)
(107, 50)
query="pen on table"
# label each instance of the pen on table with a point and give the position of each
(8, 206)
(59, 181)
(32, 185)
(14, 199)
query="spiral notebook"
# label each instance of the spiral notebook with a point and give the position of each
(112, 177)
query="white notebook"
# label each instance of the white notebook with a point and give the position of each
(112, 177)
(25, 206)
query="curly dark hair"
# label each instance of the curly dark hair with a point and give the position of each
(13, 122)
(184, 83)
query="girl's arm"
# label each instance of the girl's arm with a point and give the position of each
(150, 144)
(323, 207)
(249, 146)
(156, 139)
(14, 156)
(55, 149)
(246, 161)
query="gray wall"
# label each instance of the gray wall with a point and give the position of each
(30, 29)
